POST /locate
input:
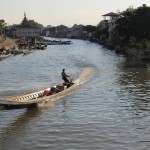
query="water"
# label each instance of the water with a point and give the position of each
(109, 111)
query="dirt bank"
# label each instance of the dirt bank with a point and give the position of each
(9, 43)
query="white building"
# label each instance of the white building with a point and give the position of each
(109, 21)
(26, 30)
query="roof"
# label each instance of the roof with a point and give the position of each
(28, 26)
(111, 14)
(61, 26)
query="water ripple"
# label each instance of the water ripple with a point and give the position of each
(110, 111)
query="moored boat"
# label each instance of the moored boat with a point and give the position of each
(3, 56)
(26, 51)
(36, 98)
(5, 52)
(16, 51)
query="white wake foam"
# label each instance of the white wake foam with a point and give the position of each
(85, 75)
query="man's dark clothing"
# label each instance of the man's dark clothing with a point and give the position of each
(64, 77)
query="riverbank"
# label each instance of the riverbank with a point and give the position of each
(8, 43)
(142, 54)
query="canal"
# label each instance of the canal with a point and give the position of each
(109, 111)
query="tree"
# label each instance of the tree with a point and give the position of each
(30, 23)
(2, 26)
(89, 28)
(35, 24)
(134, 24)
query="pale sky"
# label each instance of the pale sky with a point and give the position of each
(66, 12)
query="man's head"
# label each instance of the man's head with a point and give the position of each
(63, 70)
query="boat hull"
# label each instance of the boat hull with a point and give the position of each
(13, 103)
(10, 105)
(5, 56)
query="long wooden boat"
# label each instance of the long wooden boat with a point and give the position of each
(35, 99)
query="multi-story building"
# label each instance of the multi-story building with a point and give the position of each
(109, 22)
(27, 30)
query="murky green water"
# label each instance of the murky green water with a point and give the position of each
(109, 112)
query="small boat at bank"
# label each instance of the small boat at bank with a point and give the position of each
(26, 51)
(54, 42)
(3, 56)
(16, 51)
(37, 98)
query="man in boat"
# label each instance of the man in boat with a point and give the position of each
(64, 76)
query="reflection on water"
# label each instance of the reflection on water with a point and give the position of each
(135, 80)
(20, 124)
(110, 112)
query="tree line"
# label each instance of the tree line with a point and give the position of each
(133, 27)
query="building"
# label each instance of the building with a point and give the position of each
(58, 31)
(111, 21)
(76, 32)
(27, 32)
(48, 31)
(103, 24)
(28, 29)
(61, 31)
